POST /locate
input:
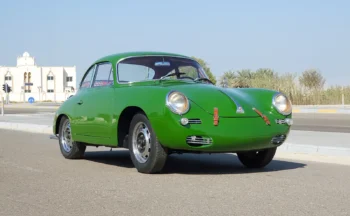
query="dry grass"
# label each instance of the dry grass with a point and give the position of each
(289, 85)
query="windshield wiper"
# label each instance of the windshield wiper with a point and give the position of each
(203, 78)
(171, 74)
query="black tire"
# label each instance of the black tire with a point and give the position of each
(157, 155)
(77, 149)
(257, 159)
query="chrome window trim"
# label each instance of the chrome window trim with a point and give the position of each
(85, 74)
(122, 59)
(96, 70)
(93, 75)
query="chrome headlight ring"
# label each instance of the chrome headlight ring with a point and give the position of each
(282, 104)
(177, 102)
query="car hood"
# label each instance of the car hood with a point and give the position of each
(230, 102)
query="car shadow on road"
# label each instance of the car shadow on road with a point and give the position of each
(215, 164)
(220, 164)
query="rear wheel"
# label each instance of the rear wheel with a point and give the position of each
(70, 149)
(147, 154)
(257, 159)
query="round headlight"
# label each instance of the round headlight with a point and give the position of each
(282, 104)
(177, 102)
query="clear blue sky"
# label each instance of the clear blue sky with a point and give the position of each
(287, 36)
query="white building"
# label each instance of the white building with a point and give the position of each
(42, 83)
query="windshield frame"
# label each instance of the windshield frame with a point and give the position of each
(201, 71)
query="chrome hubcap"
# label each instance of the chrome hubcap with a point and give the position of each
(66, 138)
(141, 142)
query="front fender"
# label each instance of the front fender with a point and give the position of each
(66, 109)
(260, 98)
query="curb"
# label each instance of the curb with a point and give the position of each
(286, 147)
(328, 111)
(30, 106)
(315, 150)
(24, 127)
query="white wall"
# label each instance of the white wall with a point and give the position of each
(26, 65)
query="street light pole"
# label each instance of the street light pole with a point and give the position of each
(342, 96)
(2, 106)
(225, 82)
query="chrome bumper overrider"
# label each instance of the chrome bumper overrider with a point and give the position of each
(54, 137)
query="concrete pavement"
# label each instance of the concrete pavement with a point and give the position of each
(36, 180)
(323, 109)
(29, 110)
(305, 136)
(339, 123)
(334, 109)
(302, 121)
(299, 141)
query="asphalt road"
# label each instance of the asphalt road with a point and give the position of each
(302, 121)
(322, 122)
(36, 180)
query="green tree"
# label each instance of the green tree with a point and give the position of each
(237, 79)
(265, 78)
(206, 69)
(244, 78)
(312, 80)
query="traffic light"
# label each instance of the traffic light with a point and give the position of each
(6, 88)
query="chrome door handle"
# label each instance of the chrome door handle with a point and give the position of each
(80, 102)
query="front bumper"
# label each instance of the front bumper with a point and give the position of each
(230, 135)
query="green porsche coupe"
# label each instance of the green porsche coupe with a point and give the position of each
(155, 104)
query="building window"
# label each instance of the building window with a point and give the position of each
(49, 77)
(69, 79)
(50, 90)
(29, 81)
(8, 78)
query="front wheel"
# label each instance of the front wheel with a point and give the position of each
(70, 149)
(257, 159)
(147, 154)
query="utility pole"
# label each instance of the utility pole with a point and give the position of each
(224, 84)
(2, 106)
(342, 96)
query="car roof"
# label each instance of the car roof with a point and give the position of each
(117, 56)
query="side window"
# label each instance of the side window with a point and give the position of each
(104, 75)
(85, 83)
(134, 72)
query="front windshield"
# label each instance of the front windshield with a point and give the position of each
(138, 69)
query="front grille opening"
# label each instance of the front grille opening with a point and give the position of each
(278, 140)
(199, 140)
(195, 121)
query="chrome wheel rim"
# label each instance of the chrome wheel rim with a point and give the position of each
(66, 138)
(141, 142)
